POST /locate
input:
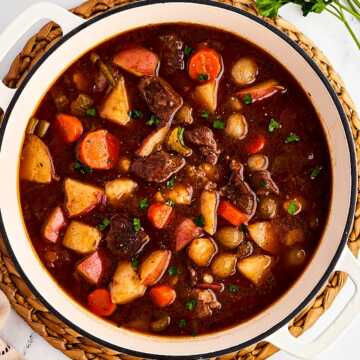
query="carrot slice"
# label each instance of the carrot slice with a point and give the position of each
(204, 65)
(160, 214)
(99, 150)
(99, 302)
(162, 295)
(230, 213)
(69, 127)
(257, 144)
(138, 61)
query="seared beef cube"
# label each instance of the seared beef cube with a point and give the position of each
(172, 55)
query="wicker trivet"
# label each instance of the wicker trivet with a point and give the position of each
(69, 341)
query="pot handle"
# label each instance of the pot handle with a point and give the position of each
(308, 350)
(16, 29)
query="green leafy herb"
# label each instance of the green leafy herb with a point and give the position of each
(136, 224)
(188, 50)
(169, 202)
(204, 114)
(91, 112)
(104, 224)
(218, 124)
(247, 99)
(193, 333)
(292, 138)
(172, 271)
(191, 304)
(292, 207)
(233, 288)
(341, 10)
(136, 114)
(135, 263)
(82, 168)
(273, 125)
(154, 120)
(203, 77)
(171, 182)
(315, 172)
(199, 221)
(262, 183)
(143, 203)
(182, 323)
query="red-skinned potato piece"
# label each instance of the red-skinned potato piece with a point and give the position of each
(94, 267)
(99, 150)
(185, 232)
(138, 61)
(69, 127)
(261, 91)
(54, 223)
(154, 266)
(99, 302)
(162, 295)
(160, 215)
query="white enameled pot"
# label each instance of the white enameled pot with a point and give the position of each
(332, 254)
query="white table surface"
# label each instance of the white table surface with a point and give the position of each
(333, 40)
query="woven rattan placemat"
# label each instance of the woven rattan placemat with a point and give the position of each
(69, 341)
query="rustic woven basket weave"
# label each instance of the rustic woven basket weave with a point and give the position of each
(66, 339)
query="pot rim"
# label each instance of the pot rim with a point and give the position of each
(351, 149)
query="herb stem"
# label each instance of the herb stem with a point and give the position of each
(333, 13)
(343, 7)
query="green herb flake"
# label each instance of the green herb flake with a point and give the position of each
(154, 120)
(292, 207)
(203, 77)
(204, 114)
(82, 168)
(218, 124)
(233, 288)
(170, 202)
(135, 263)
(182, 323)
(188, 50)
(273, 125)
(263, 183)
(247, 99)
(193, 333)
(172, 271)
(91, 112)
(191, 304)
(171, 182)
(136, 224)
(315, 172)
(136, 114)
(292, 138)
(105, 222)
(199, 221)
(143, 203)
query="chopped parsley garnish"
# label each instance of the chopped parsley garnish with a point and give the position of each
(136, 114)
(154, 120)
(292, 207)
(203, 77)
(247, 99)
(233, 288)
(169, 202)
(262, 183)
(135, 263)
(182, 323)
(188, 50)
(191, 304)
(199, 221)
(82, 168)
(136, 224)
(204, 114)
(315, 172)
(104, 224)
(193, 333)
(273, 125)
(171, 182)
(91, 112)
(143, 203)
(172, 271)
(292, 138)
(218, 124)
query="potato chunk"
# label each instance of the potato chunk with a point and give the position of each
(36, 162)
(202, 250)
(209, 203)
(206, 95)
(154, 266)
(116, 106)
(180, 194)
(224, 265)
(81, 238)
(81, 198)
(263, 234)
(256, 268)
(54, 223)
(126, 285)
(93, 267)
(118, 189)
(152, 141)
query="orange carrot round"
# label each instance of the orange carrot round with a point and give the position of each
(162, 295)
(69, 127)
(99, 302)
(99, 150)
(159, 214)
(257, 144)
(230, 213)
(204, 65)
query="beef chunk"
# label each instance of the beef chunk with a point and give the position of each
(263, 183)
(172, 55)
(238, 190)
(157, 167)
(204, 137)
(161, 98)
(122, 240)
(206, 303)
